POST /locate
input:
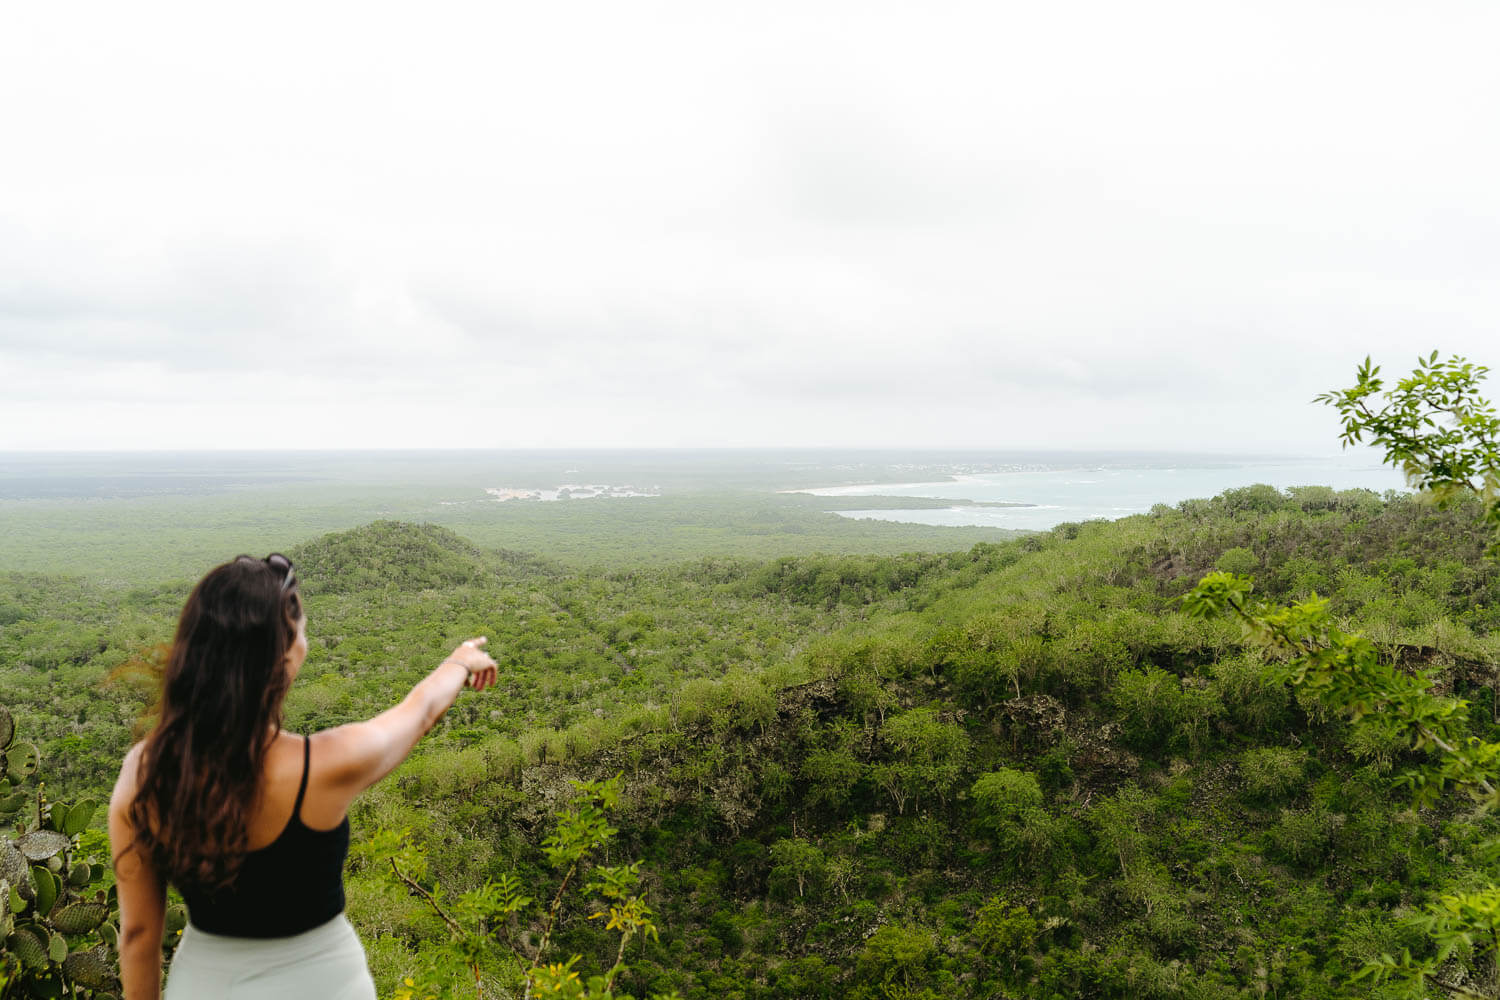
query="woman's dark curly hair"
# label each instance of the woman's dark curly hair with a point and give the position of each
(222, 694)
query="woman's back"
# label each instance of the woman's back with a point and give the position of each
(291, 880)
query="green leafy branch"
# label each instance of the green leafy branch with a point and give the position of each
(487, 918)
(1345, 674)
(1435, 426)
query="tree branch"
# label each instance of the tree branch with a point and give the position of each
(614, 970)
(1305, 651)
(552, 912)
(427, 897)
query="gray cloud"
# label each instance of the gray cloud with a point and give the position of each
(973, 224)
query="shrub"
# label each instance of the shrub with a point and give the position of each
(1257, 499)
(796, 862)
(1271, 772)
(897, 952)
(1304, 836)
(1254, 698)
(1008, 804)
(926, 756)
(1004, 930)
(1237, 560)
(1158, 712)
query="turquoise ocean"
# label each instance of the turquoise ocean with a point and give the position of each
(1060, 490)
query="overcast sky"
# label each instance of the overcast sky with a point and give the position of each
(1000, 224)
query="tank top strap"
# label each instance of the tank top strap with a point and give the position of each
(302, 788)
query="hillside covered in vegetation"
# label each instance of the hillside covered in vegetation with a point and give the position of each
(1013, 771)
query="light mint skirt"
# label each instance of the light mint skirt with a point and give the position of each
(325, 963)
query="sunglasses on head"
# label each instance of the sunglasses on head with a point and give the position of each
(281, 564)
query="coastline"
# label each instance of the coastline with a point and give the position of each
(879, 501)
(1038, 499)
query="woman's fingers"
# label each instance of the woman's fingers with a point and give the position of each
(483, 670)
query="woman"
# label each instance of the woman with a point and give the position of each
(248, 821)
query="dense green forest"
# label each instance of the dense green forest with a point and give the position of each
(158, 538)
(147, 519)
(1016, 770)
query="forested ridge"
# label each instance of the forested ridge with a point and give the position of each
(1013, 771)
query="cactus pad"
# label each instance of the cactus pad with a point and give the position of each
(47, 888)
(80, 874)
(13, 802)
(40, 845)
(25, 945)
(89, 969)
(79, 918)
(15, 870)
(22, 760)
(7, 727)
(77, 818)
(57, 948)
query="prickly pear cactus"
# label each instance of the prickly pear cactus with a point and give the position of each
(54, 918)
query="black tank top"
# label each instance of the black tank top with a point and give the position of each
(291, 885)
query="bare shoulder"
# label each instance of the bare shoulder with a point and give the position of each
(343, 753)
(121, 827)
(129, 780)
(348, 759)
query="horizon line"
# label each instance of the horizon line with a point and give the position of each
(625, 449)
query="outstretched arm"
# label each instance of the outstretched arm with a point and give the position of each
(354, 757)
(143, 894)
